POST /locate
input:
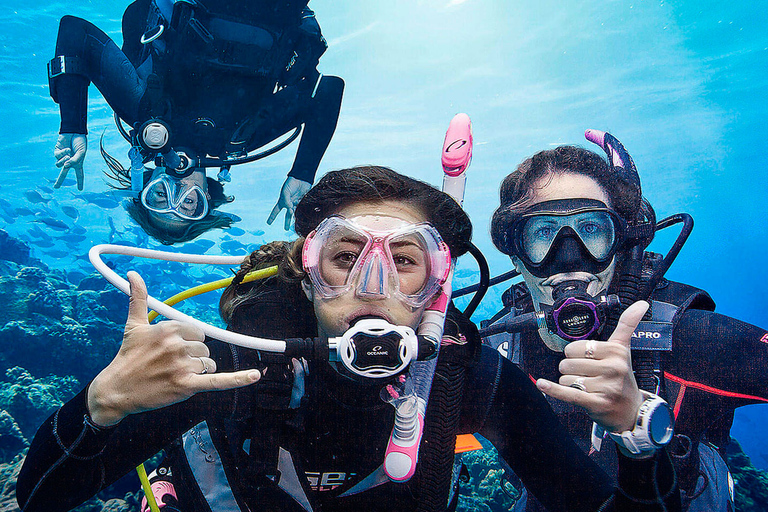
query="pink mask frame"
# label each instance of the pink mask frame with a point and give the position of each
(374, 270)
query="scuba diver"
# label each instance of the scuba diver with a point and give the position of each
(576, 228)
(358, 412)
(201, 84)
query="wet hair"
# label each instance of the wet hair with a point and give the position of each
(141, 216)
(335, 191)
(519, 188)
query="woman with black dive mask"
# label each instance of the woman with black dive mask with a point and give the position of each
(575, 227)
(374, 253)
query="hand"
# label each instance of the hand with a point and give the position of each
(156, 366)
(290, 195)
(70, 154)
(612, 398)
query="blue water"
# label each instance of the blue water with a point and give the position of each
(683, 86)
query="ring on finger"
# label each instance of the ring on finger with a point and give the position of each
(579, 384)
(205, 366)
(589, 349)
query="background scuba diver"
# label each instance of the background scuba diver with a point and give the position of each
(202, 78)
(575, 225)
(323, 432)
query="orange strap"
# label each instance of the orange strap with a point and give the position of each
(467, 443)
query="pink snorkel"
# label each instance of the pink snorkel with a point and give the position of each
(402, 452)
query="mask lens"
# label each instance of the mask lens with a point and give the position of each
(596, 229)
(156, 196)
(410, 255)
(191, 204)
(338, 255)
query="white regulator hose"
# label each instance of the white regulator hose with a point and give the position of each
(168, 311)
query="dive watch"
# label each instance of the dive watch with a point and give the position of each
(654, 427)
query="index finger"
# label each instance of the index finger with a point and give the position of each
(628, 322)
(273, 214)
(61, 178)
(222, 381)
(566, 393)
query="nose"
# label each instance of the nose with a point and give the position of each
(373, 277)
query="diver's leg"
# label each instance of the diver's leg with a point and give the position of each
(101, 62)
(320, 119)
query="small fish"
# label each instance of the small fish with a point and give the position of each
(234, 248)
(7, 218)
(36, 232)
(72, 238)
(33, 196)
(258, 232)
(44, 243)
(100, 200)
(21, 211)
(203, 245)
(236, 231)
(5, 205)
(78, 230)
(71, 212)
(58, 254)
(52, 223)
(47, 190)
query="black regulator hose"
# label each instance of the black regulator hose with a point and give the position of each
(485, 278)
(659, 272)
(506, 276)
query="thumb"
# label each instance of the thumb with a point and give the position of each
(137, 307)
(273, 215)
(628, 322)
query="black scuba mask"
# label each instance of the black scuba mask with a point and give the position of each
(567, 235)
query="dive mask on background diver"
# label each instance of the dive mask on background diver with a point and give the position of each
(560, 237)
(165, 194)
(567, 235)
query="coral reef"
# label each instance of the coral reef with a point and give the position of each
(751, 484)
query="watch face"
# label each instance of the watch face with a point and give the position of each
(661, 425)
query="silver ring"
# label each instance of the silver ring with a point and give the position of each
(589, 351)
(579, 384)
(205, 366)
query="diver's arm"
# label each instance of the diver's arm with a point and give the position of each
(726, 356)
(718, 364)
(528, 435)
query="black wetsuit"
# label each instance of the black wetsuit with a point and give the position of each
(336, 437)
(717, 364)
(239, 112)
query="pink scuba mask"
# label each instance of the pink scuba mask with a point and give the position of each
(378, 257)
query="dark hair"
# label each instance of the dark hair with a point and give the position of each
(518, 188)
(195, 228)
(334, 191)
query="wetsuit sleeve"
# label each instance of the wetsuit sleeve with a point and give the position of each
(71, 459)
(527, 434)
(718, 364)
(320, 119)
